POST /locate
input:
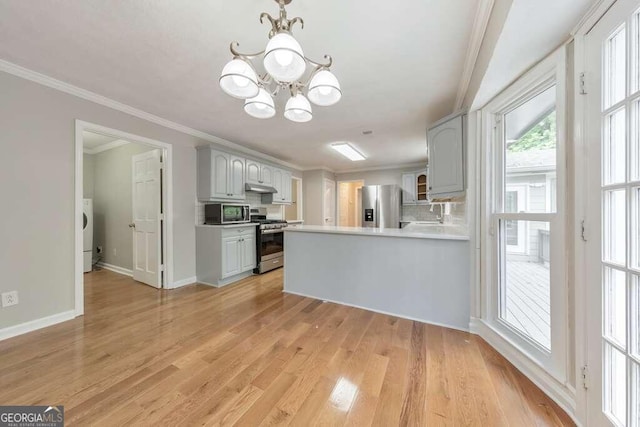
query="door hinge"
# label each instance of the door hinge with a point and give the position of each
(585, 377)
(583, 84)
(583, 231)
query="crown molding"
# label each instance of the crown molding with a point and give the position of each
(104, 147)
(422, 165)
(483, 14)
(592, 17)
(34, 76)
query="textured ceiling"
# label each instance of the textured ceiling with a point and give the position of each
(399, 64)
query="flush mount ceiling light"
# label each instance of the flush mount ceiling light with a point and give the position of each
(348, 151)
(285, 65)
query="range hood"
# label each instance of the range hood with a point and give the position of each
(257, 188)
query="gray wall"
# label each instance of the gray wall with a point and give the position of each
(379, 177)
(87, 176)
(37, 183)
(112, 204)
(312, 194)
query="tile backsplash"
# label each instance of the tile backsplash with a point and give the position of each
(457, 212)
(253, 199)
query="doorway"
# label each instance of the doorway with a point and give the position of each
(127, 180)
(349, 201)
(613, 202)
(293, 212)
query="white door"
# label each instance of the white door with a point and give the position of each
(277, 184)
(248, 252)
(231, 256)
(146, 225)
(329, 202)
(236, 177)
(286, 187)
(253, 172)
(613, 187)
(409, 189)
(446, 172)
(220, 175)
(266, 175)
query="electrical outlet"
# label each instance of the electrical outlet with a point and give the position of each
(99, 249)
(9, 298)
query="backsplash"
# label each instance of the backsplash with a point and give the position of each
(457, 212)
(252, 199)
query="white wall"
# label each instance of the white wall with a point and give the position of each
(313, 195)
(37, 193)
(87, 176)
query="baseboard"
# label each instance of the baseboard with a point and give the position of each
(378, 311)
(183, 282)
(115, 269)
(561, 394)
(33, 325)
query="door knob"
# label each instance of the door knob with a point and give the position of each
(132, 225)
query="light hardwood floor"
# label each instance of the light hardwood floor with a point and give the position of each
(248, 354)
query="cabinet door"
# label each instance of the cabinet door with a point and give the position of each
(277, 184)
(286, 187)
(421, 188)
(236, 178)
(231, 256)
(266, 175)
(253, 172)
(220, 168)
(248, 252)
(446, 157)
(409, 189)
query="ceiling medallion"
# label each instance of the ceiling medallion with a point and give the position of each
(285, 65)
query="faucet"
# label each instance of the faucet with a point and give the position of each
(441, 217)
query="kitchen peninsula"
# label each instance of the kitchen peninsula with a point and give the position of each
(418, 274)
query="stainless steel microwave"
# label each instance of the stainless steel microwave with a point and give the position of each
(224, 213)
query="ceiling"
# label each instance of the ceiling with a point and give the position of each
(399, 64)
(91, 141)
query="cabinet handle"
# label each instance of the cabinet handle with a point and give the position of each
(430, 188)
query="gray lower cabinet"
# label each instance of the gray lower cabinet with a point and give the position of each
(225, 254)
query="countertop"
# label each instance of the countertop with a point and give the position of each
(246, 224)
(442, 232)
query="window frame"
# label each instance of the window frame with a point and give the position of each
(549, 72)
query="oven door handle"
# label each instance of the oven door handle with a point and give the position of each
(274, 231)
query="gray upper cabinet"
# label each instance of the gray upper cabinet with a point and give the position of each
(266, 175)
(220, 175)
(445, 143)
(282, 184)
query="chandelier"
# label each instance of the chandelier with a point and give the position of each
(285, 65)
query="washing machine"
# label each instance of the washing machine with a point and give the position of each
(87, 232)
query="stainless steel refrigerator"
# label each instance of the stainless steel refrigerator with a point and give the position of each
(381, 206)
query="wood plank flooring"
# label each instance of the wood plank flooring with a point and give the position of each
(250, 355)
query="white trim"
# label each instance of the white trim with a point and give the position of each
(480, 24)
(422, 165)
(104, 147)
(591, 18)
(560, 393)
(27, 74)
(388, 313)
(34, 325)
(115, 269)
(299, 199)
(183, 282)
(82, 126)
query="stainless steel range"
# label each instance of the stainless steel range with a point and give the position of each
(270, 241)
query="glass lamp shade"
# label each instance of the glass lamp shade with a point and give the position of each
(284, 59)
(324, 89)
(260, 106)
(298, 109)
(239, 79)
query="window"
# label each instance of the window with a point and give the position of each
(526, 264)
